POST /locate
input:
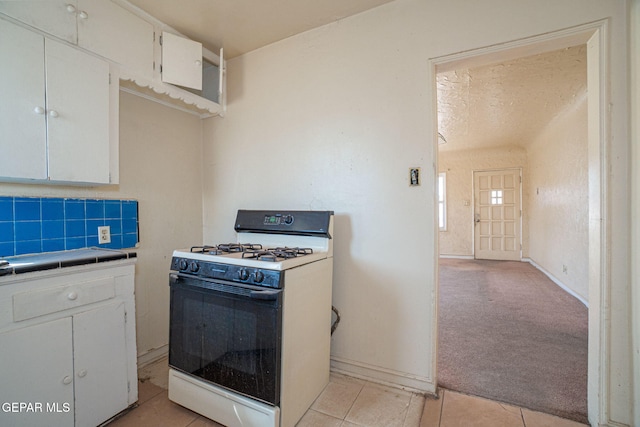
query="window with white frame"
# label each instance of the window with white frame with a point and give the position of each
(442, 201)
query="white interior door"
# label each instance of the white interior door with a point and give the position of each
(497, 214)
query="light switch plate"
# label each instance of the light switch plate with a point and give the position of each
(414, 177)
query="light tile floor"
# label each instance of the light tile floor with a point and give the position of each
(460, 410)
(347, 402)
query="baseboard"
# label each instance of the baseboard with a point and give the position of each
(456, 256)
(557, 282)
(387, 377)
(152, 355)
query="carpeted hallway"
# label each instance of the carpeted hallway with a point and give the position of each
(508, 333)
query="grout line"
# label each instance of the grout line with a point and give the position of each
(441, 407)
(524, 424)
(354, 402)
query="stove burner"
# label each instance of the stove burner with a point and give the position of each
(225, 248)
(272, 254)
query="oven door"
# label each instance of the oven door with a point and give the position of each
(228, 334)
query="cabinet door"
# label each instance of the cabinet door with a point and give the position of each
(181, 61)
(100, 364)
(57, 17)
(37, 367)
(78, 115)
(22, 104)
(118, 35)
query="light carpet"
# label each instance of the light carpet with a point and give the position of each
(508, 333)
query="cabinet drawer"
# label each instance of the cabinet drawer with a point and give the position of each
(27, 305)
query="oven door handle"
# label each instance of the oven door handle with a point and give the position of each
(250, 291)
(269, 295)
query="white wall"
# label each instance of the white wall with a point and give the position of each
(160, 166)
(343, 111)
(459, 167)
(558, 199)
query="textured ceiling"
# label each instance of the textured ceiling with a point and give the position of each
(510, 102)
(240, 26)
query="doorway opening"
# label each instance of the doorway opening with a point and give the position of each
(586, 41)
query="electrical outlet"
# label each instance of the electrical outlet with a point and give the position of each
(104, 234)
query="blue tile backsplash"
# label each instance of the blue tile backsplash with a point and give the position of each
(33, 225)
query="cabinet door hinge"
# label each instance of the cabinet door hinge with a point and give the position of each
(160, 40)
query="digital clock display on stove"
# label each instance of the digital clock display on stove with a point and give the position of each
(278, 219)
(272, 219)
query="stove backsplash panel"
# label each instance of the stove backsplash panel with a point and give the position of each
(37, 224)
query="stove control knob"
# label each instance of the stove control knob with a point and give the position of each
(183, 264)
(194, 267)
(258, 276)
(243, 274)
(288, 219)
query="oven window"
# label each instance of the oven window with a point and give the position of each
(230, 340)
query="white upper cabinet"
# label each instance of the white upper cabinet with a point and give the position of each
(99, 26)
(22, 104)
(56, 110)
(56, 17)
(180, 72)
(181, 61)
(78, 115)
(116, 34)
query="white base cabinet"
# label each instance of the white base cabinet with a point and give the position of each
(37, 371)
(75, 366)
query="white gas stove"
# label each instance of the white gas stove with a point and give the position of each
(250, 320)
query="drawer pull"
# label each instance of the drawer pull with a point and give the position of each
(73, 295)
(82, 373)
(67, 380)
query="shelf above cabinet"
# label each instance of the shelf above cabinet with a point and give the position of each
(171, 96)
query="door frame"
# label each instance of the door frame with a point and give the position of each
(596, 36)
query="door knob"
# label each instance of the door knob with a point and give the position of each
(477, 217)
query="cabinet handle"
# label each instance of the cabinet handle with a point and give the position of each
(82, 373)
(53, 113)
(38, 110)
(82, 14)
(71, 8)
(198, 63)
(73, 295)
(67, 380)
